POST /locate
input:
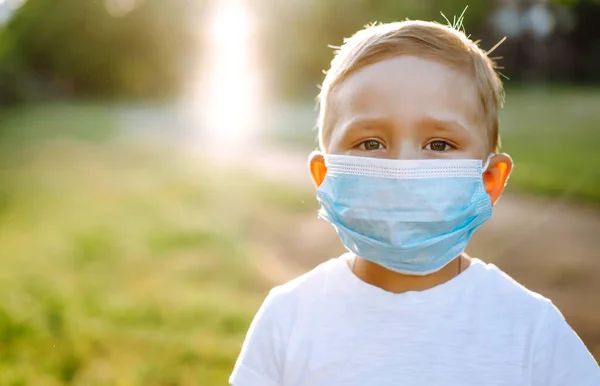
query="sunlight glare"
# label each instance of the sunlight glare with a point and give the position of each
(119, 8)
(8, 8)
(230, 93)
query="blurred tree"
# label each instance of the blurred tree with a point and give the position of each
(304, 29)
(297, 33)
(586, 41)
(140, 48)
(90, 48)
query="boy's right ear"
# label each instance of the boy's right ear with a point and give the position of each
(316, 164)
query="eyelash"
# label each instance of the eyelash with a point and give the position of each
(362, 145)
(450, 146)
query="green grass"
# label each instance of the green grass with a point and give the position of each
(551, 134)
(87, 121)
(122, 264)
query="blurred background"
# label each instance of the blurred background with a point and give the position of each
(153, 181)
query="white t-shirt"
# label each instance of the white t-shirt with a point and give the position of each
(328, 328)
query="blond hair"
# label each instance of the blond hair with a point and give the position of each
(429, 40)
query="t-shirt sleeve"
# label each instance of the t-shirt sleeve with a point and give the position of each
(560, 357)
(260, 360)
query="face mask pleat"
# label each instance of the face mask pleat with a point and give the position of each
(409, 216)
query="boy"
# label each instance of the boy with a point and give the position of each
(408, 169)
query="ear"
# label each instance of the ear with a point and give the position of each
(316, 164)
(496, 175)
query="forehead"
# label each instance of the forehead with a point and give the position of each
(407, 89)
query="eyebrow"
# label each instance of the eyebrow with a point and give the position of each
(367, 122)
(356, 125)
(446, 124)
(364, 122)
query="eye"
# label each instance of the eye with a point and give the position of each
(371, 144)
(438, 145)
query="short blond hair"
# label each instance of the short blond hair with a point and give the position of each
(428, 40)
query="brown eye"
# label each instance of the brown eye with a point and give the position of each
(438, 146)
(371, 145)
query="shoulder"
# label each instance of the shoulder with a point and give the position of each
(303, 290)
(307, 284)
(499, 282)
(263, 351)
(283, 305)
(524, 318)
(506, 294)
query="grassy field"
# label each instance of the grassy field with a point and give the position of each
(122, 263)
(127, 263)
(551, 136)
(549, 132)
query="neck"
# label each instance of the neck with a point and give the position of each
(395, 282)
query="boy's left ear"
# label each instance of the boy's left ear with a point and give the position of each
(496, 175)
(316, 164)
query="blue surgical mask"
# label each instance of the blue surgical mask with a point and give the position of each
(410, 216)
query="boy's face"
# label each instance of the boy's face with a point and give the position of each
(410, 108)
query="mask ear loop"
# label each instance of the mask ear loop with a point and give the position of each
(487, 163)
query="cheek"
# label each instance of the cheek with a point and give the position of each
(476, 146)
(340, 142)
(481, 139)
(474, 152)
(333, 141)
(337, 146)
